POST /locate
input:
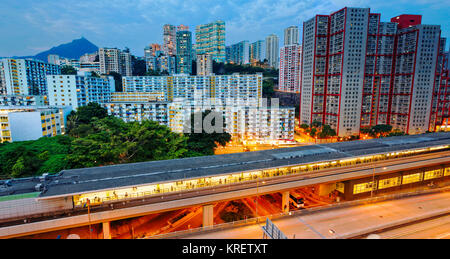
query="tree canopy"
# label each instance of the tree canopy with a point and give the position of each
(27, 158)
(68, 70)
(267, 88)
(139, 67)
(229, 68)
(204, 143)
(317, 129)
(381, 130)
(112, 141)
(117, 81)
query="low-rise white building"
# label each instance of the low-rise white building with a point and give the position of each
(137, 96)
(246, 88)
(262, 124)
(19, 123)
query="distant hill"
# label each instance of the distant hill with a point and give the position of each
(72, 50)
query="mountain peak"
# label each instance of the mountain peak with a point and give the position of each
(71, 50)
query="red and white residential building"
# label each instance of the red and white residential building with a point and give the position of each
(441, 95)
(290, 68)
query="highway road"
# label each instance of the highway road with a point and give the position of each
(350, 221)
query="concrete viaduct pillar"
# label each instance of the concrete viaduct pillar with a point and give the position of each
(208, 215)
(106, 230)
(285, 202)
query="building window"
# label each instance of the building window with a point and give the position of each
(364, 187)
(447, 171)
(412, 178)
(432, 174)
(388, 183)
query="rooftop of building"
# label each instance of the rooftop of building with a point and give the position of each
(187, 75)
(30, 108)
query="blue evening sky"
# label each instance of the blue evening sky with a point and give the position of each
(31, 26)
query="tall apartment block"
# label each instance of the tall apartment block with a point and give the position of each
(152, 50)
(2, 80)
(184, 49)
(25, 76)
(167, 64)
(238, 53)
(77, 91)
(290, 68)
(170, 39)
(210, 39)
(415, 75)
(151, 56)
(204, 65)
(440, 112)
(272, 50)
(359, 72)
(247, 88)
(291, 35)
(257, 51)
(115, 60)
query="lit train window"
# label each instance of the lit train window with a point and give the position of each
(412, 178)
(390, 182)
(432, 174)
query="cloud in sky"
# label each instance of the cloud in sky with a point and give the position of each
(28, 26)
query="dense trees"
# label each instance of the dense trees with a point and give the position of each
(326, 132)
(112, 141)
(381, 130)
(68, 70)
(268, 88)
(229, 68)
(317, 130)
(117, 81)
(152, 72)
(204, 143)
(27, 158)
(139, 66)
